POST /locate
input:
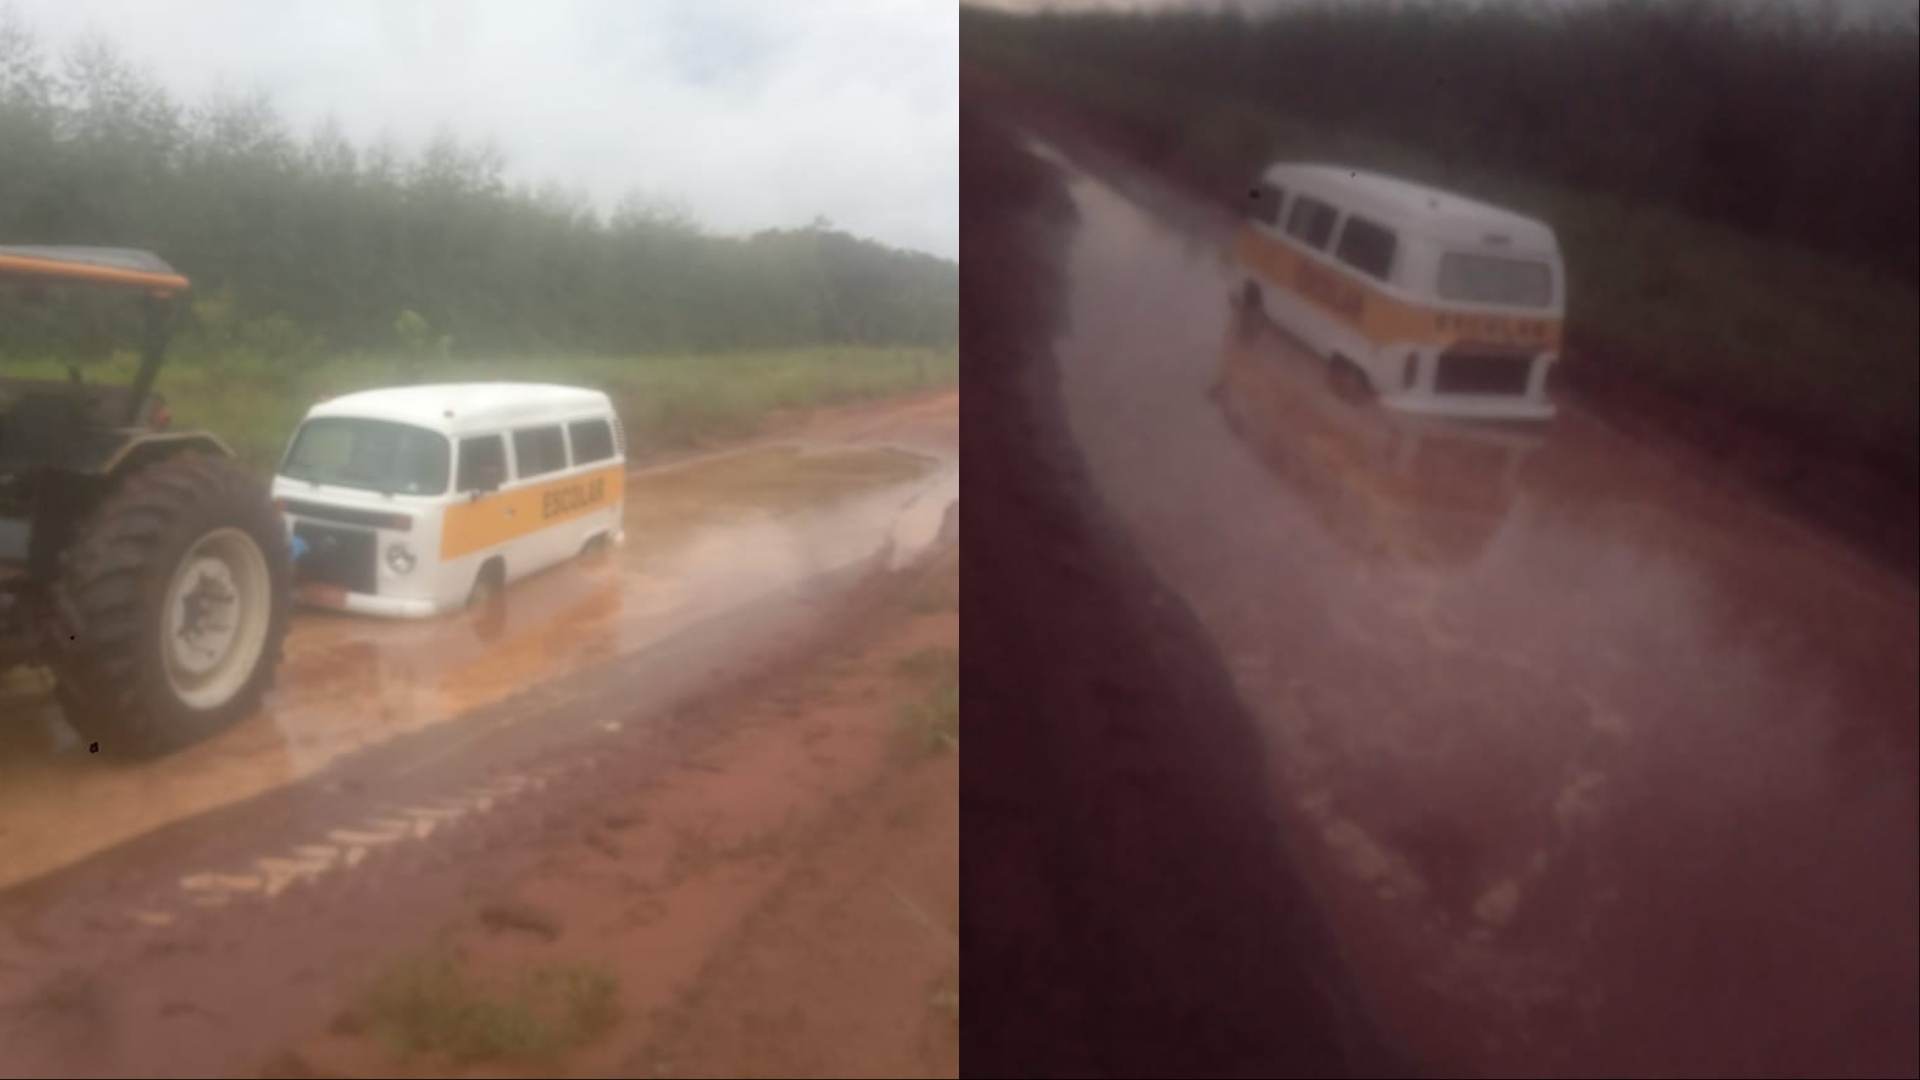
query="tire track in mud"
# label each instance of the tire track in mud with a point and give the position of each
(346, 846)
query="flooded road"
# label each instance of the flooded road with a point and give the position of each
(708, 538)
(1599, 766)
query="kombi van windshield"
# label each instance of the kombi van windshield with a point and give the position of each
(377, 455)
(1495, 279)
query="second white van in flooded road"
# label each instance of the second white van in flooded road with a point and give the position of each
(1427, 300)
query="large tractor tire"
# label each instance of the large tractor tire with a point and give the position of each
(177, 591)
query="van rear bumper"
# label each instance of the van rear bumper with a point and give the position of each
(392, 607)
(1472, 406)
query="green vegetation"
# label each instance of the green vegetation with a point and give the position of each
(666, 402)
(1733, 233)
(932, 724)
(928, 665)
(944, 998)
(936, 596)
(429, 1005)
(306, 246)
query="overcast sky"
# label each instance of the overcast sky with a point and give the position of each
(751, 113)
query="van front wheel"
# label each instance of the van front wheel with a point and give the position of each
(1249, 310)
(487, 585)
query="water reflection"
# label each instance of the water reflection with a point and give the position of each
(1421, 490)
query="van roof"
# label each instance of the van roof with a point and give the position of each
(1438, 214)
(453, 408)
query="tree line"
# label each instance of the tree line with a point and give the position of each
(297, 244)
(1779, 119)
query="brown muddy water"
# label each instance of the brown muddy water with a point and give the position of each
(1601, 766)
(705, 537)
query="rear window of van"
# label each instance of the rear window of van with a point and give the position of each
(1495, 279)
(592, 441)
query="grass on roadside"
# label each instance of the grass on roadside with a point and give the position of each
(428, 1004)
(944, 997)
(928, 665)
(666, 402)
(935, 597)
(930, 725)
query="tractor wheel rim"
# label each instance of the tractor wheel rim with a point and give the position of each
(214, 622)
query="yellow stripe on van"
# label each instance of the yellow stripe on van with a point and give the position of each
(508, 515)
(1380, 317)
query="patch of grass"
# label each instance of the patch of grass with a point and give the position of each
(938, 590)
(430, 1005)
(930, 665)
(665, 402)
(932, 724)
(25, 682)
(514, 915)
(935, 597)
(944, 998)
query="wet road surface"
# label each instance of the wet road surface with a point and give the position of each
(709, 540)
(1599, 766)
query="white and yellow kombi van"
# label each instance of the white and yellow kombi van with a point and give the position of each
(414, 500)
(1434, 302)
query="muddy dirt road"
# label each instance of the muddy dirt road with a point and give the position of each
(1597, 765)
(329, 825)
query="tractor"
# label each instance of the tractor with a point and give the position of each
(142, 566)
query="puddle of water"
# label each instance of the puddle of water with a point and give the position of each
(704, 537)
(1570, 642)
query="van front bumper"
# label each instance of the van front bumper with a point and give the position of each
(337, 599)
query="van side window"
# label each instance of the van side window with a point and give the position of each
(1267, 199)
(1311, 222)
(478, 454)
(592, 440)
(539, 450)
(1367, 247)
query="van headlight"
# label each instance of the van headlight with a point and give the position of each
(400, 558)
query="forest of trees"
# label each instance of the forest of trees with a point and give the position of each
(298, 243)
(1778, 119)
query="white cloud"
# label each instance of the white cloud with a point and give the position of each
(753, 113)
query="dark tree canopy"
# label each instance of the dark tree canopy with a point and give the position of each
(312, 242)
(1776, 118)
